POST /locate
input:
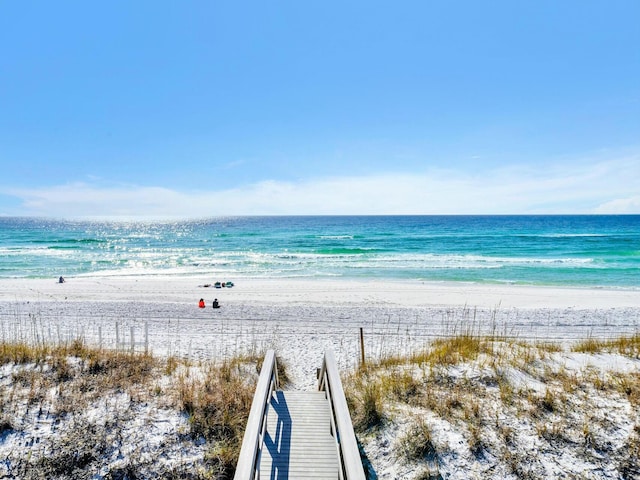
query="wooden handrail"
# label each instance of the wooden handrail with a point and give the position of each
(249, 457)
(348, 452)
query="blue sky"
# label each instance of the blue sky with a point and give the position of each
(194, 109)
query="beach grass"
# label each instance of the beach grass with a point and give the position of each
(498, 394)
(624, 345)
(98, 394)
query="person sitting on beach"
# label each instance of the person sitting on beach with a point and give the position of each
(215, 303)
(201, 303)
(61, 280)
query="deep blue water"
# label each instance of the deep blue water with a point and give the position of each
(539, 250)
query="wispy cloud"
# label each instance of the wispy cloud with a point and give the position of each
(620, 205)
(597, 187)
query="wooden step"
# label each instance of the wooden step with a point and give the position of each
(298, 442)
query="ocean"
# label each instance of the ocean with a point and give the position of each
(589, 251)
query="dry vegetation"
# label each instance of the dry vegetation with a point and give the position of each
(489, 407)
(511, 407)
(95, 410)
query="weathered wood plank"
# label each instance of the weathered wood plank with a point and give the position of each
(298, 442)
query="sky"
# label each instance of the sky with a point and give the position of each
(190, 109)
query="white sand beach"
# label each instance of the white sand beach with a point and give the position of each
(332, 292)
(302, 317)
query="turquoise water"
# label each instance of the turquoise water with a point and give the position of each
(538, 250)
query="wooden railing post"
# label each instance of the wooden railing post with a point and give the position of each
(361, 348)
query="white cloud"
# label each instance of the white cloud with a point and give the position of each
(620, 205)
(597, 187)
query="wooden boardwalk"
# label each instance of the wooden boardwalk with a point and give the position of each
(298, 442)
(293, 435)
